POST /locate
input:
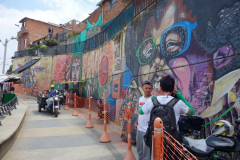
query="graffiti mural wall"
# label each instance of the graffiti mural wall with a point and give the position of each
(37, 77)
(199, 47)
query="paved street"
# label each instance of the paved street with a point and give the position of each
(45, 137)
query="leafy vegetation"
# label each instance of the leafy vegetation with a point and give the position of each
(76, 34)
(9, 71)
(51, 42)
(34, 46)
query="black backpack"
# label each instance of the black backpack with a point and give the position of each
(167, 114)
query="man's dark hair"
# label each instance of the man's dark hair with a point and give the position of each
(148, 83)
(167, 83)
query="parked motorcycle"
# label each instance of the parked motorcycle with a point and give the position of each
(223, 144)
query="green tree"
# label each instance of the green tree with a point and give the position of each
(9, 71)
(51, 42)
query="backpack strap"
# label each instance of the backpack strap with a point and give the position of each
(155, 104)
(155, 101)
(172, 102)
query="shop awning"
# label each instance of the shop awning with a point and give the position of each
(26, 66)
(12, 79)
(5, 78)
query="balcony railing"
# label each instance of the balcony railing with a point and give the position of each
(126, 15)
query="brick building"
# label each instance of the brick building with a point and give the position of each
(111, 8)
(32, 30)
(36, 31)
(78, 26)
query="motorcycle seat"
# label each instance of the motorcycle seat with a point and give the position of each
(198, 152)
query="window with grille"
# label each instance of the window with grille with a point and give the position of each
(111, 3)
(25, 43)
(50, 30)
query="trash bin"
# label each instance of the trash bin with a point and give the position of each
(8, 97)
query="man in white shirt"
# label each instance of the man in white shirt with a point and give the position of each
(141, 123)
(166, 88)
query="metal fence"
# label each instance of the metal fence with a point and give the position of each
(125, 16)
(7, 107)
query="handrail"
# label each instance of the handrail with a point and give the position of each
(7, 107)
(133, 8)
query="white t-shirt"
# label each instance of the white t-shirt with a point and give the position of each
(179, 108)
(143, 119)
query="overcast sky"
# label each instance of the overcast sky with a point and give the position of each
(55, 11)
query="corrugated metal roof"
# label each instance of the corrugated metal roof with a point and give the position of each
(26, 66)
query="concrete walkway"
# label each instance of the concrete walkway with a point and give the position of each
(45, 137)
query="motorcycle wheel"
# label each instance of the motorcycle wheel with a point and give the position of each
(56, 112)
(39, 108)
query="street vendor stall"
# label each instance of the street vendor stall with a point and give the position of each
(6, 89)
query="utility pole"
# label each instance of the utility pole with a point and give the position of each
(5, 52)
(4, 57)
(19, 44)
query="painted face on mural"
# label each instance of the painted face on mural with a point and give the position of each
(165, 43)
(76, 69)
(26, 73)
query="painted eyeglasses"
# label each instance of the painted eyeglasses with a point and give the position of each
(174, 41)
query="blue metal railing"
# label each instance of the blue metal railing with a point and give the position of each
(7, 107)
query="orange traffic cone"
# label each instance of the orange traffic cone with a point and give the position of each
(105, 137)
(129, 155)
(89, 123)
(26, 95)
(66, 107)
(75, 103)
(75, 113)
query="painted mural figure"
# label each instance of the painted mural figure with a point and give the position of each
(174, 40)
(199, 48)
(76, 71)
(28, 74)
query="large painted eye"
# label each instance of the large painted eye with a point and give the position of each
(78, 67)
(173, 41)
(146, 51)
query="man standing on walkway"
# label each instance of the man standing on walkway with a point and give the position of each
(141, 123)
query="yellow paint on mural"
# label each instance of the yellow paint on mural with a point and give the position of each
(43, 68)
(212, 110)
(18, 62)
(224, 85)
